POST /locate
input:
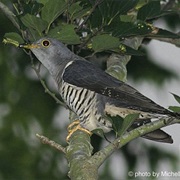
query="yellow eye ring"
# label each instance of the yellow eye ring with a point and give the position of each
(45, 43)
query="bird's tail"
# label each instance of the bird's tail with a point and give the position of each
(157, 135)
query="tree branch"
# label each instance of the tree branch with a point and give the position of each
(10, 15)
(89, 14)
(116, 63)
(51, 143)
(103, 154)
(175, 42)
(78, 153)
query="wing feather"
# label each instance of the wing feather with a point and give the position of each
(86, 75)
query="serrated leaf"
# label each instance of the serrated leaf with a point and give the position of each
(128, 120)
(104, 42)
(176, 97)
(149, 10)
(31, 21)
(14, 36)
(174, 108)
(52, 9)
(65, 33)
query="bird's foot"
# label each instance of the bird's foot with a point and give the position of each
(73, 127)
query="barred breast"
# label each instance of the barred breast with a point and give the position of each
(84, 103)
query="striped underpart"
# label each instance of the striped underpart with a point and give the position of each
(84, 103)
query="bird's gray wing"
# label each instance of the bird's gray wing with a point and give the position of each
(86, 75)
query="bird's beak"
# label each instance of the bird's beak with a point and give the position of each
(28, 46)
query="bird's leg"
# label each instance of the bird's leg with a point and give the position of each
(74, 123)
(73, 127)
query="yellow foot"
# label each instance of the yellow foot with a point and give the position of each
(73, 127)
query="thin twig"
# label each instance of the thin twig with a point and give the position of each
(90, 37)
(51, 143)
(91, 11)
(11, 16)
(37, 71)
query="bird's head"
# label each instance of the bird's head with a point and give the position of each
(47, 48)
(53, 54)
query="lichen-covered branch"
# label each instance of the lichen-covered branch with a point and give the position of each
(103, 154)
(116, 63)
(78, 153)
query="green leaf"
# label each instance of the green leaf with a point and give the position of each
(149, 10)
(176, 97)
(32, 7)
(14, 36)
(65, 33)
(134, 52)
(108, 10)
(31, 21)
(117, 122)
(107, 42)
(126, 50)
(124, 6)
(111, 9)
(74, 8)
(174, 108)
(43, 1)
(128, 29)
(127, 18)
(77, 11)
(99, 132)
(128, 120)
(33, 35)
(52, 9)
(104, 42)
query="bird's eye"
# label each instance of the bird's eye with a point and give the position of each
(45, 43)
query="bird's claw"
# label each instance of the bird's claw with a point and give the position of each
(73, 127)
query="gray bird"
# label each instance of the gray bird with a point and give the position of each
(91, 93)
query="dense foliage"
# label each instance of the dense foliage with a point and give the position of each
(90, 28)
